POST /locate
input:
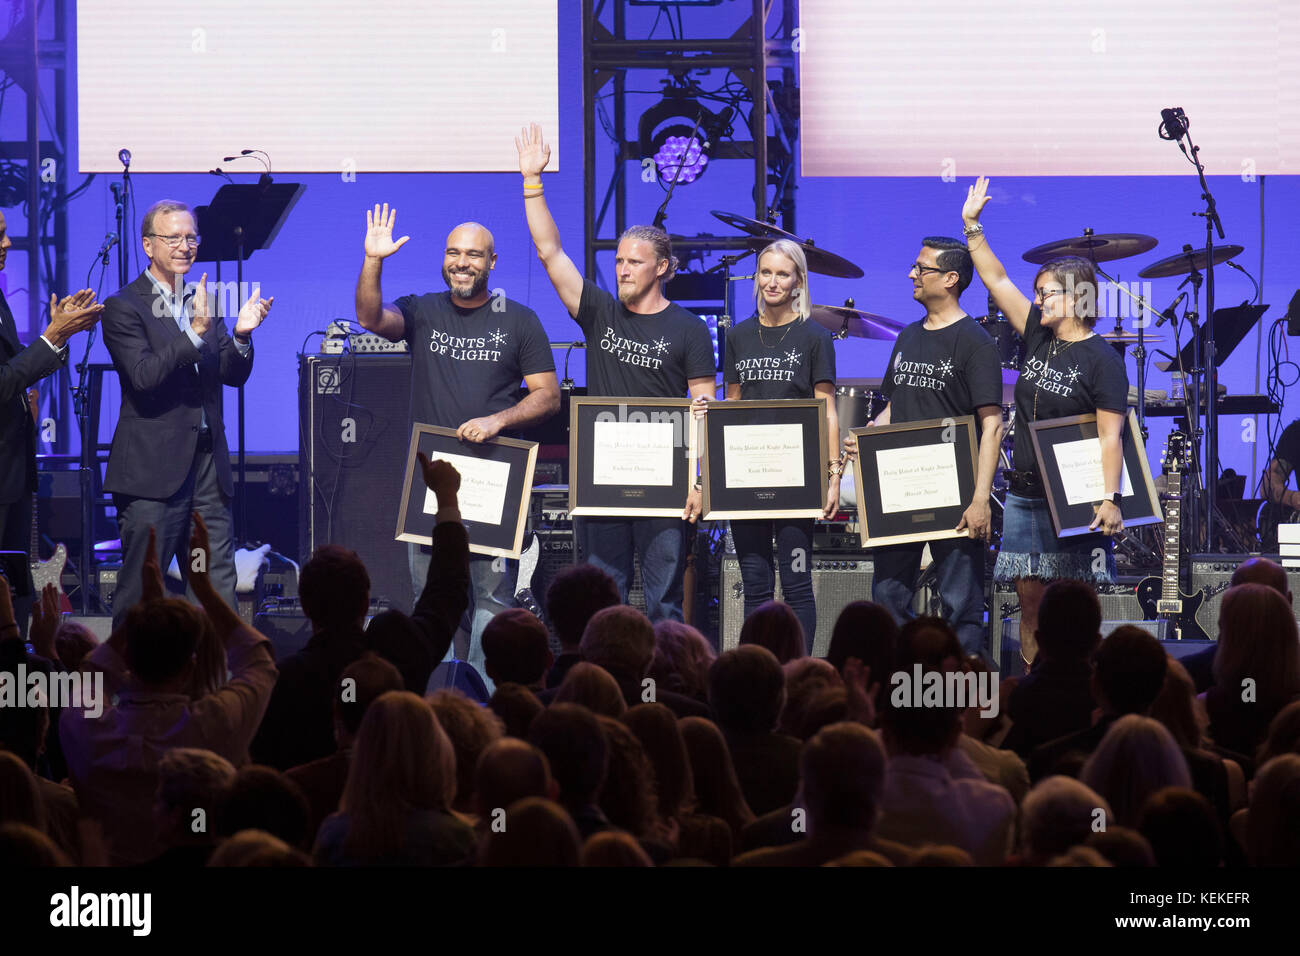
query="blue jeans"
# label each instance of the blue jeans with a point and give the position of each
(959, 568)
(491, 591)
(794, 538)
(170, 518)
(660, 543)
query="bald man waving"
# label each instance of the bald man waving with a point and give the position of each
(469, 351)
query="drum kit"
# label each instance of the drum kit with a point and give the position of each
(858, 400)
(861, 399)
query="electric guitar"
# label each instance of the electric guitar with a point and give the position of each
(51, 571)
(1163, 597)
(524, 596)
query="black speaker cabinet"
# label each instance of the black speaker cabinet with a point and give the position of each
(838, 580)
(1213, 573)
(354, 430)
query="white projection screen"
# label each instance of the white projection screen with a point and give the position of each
(321, 85)
(1070, 87)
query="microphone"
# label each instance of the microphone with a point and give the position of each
(109, 242)
(219, 172)
(116, 190)
(124, 157)
(1174, 125)
(1168, 314)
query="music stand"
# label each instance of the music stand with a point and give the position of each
(240, 219)
(1230, 327)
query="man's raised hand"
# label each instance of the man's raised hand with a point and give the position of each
(379, 232)
(534, 154)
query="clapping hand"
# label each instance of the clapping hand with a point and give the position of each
(252, 314)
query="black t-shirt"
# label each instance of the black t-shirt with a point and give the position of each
(642, 356)
(941, 373)
(774, 363)
(1288, 447)
(466, 363)
(1079, 379)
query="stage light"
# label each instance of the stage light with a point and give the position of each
(667, 134)
(681, 159)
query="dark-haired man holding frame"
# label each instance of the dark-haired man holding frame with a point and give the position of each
(944, 366)
(640, 345)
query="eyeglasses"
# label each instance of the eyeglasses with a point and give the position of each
(922, 270)
(1045, 294)
(174, 242)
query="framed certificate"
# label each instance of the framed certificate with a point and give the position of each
(496, 478)
(1069, 457)
(765, 459)
(630, 457)
(914, 481)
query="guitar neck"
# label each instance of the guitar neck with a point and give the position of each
(1170, 585)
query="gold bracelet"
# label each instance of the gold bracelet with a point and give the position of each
(533, 185)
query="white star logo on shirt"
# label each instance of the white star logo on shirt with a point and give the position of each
(498, 337)
(660, 346)
(792, 357)
(945, 368)
(1074, 373)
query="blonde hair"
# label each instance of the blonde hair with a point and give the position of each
(403, 761)
(801, 301)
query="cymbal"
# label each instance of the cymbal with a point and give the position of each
(1188, 261)
(1127, 337)
(752, 227)
(844, 321)
(1101, 247)
(764, 234)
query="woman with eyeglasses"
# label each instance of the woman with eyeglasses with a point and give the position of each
(1068, 370)
(779, 353)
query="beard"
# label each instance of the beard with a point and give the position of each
(459, 288)
(627, 294)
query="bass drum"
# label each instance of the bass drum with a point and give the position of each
(856, 405)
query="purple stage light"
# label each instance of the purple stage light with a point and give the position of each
(684, 152)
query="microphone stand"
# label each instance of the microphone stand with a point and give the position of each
(1213, 224)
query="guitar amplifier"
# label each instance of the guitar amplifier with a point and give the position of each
(354, 431)
(1119, 605)
(1213, 572)
(838, 580)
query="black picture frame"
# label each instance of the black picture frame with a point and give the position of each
(726, 497)
(899, 525)
(1140, 506)
(503, 537)
(632, 498)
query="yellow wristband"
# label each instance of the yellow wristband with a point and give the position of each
(533, 185)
